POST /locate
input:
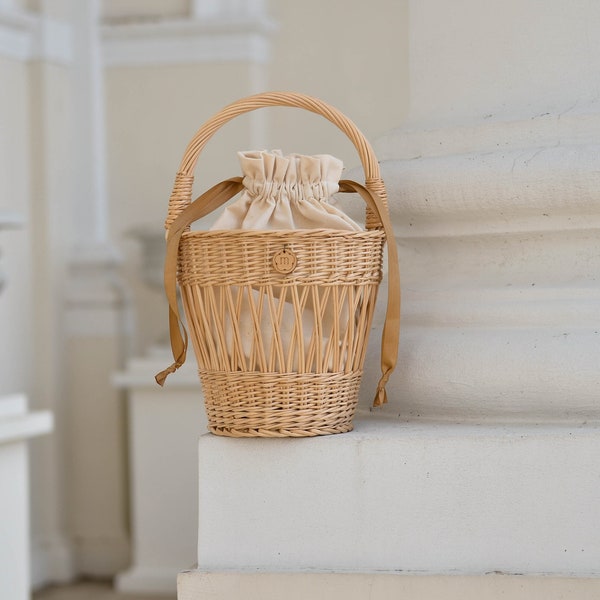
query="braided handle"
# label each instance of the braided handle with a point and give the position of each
(182, 190)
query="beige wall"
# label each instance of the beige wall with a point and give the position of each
(152, 113)
(352, 54)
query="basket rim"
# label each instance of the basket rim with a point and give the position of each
(275, 233)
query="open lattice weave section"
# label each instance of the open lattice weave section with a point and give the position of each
(280, 354)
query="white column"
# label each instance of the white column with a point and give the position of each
(89, 161)
(50, 196)
(96, 324)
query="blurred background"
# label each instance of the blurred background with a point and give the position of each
(98, 100)
(486, 119)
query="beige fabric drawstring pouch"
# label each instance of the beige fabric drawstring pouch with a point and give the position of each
(286, 193)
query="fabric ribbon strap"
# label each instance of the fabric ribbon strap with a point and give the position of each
(203, 205)
(391, 328)
(218, 195)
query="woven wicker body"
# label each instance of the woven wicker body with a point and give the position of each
(279, 320)
(293, 366)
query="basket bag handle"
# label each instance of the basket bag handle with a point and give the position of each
(182, 212)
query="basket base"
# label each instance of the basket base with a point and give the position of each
(251, 404)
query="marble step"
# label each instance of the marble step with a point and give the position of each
(390, 497)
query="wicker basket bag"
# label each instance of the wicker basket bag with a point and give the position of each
(291, 381)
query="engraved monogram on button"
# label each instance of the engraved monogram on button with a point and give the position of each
(284, 261)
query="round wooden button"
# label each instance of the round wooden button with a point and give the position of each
(284, 261)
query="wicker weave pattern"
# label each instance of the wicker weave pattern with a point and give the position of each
(312, 347)
(223, 274)
(324, 257)
(180, 196)
(297, 405)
